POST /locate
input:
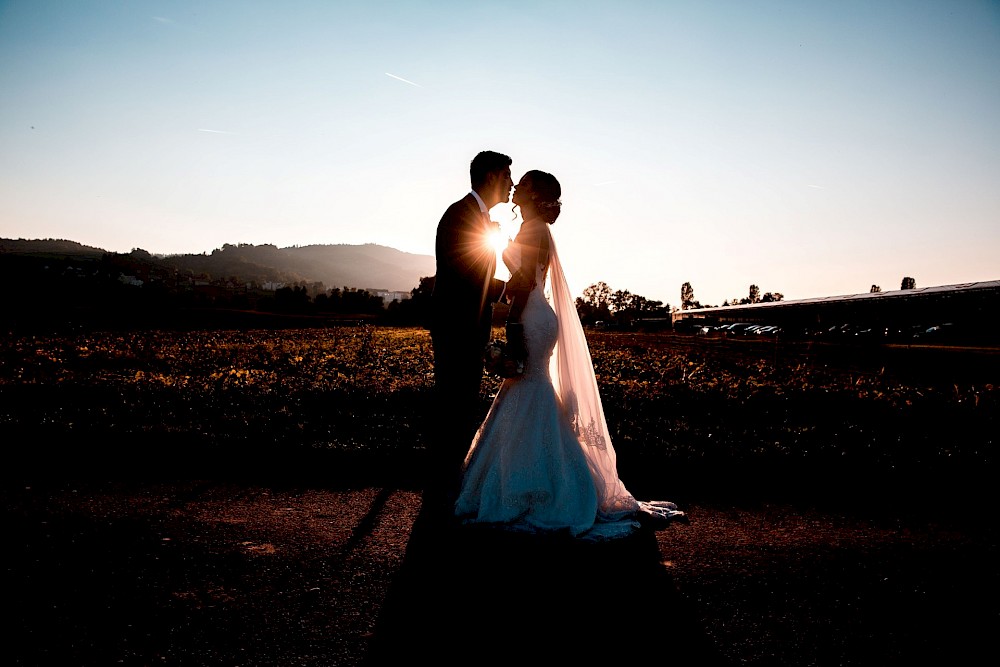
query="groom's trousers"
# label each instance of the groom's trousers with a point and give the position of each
(458, 375)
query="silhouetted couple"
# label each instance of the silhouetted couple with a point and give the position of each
(542, 461)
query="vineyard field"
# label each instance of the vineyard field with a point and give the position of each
(697, 414)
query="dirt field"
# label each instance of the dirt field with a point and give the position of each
(206, 572)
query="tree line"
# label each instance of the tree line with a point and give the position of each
(688, 302)
(133, 286)
(599, 303)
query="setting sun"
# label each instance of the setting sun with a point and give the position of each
(497, 241)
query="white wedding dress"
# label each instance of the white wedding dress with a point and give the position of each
(542, 460)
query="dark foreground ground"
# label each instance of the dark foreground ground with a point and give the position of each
(245, 572)
(228, 499)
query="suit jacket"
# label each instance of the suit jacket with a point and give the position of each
(464, 287)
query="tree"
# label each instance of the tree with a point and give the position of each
(908, 283)
(687, 296)
(754, 296)
(595, 304)
(361, 302)
(620, 302)
(424, 291)
(875, 289)
(417, 309)
(771, 297)
(598, 295)
(419, 302)
(291, 299)
(656, 308)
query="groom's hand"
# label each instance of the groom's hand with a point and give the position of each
(498, 290)
(515, 341)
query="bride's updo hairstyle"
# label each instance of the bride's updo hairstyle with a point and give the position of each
(546, 192)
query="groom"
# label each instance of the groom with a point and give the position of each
(462, 314)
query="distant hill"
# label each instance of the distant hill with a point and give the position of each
(366, 266)
(48, 247)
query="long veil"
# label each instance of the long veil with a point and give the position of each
(572, 372)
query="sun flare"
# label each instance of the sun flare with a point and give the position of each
(497, 241)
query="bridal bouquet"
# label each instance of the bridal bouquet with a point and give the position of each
(500, 362)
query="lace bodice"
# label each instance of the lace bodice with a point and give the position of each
(541, 329)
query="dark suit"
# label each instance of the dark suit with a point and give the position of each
(461, 320)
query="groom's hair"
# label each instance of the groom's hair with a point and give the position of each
(485, 164)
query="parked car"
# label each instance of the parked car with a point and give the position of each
(739, 328)
(938, 332)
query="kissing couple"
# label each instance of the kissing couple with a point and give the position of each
(542, 460)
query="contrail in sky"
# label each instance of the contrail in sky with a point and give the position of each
(201, 129)
(402, 79)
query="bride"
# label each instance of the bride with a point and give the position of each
(542, 460)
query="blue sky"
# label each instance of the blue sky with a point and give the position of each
(810, 148)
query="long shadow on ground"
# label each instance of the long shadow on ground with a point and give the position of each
(471, 594)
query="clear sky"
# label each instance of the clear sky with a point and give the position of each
(810, 148)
